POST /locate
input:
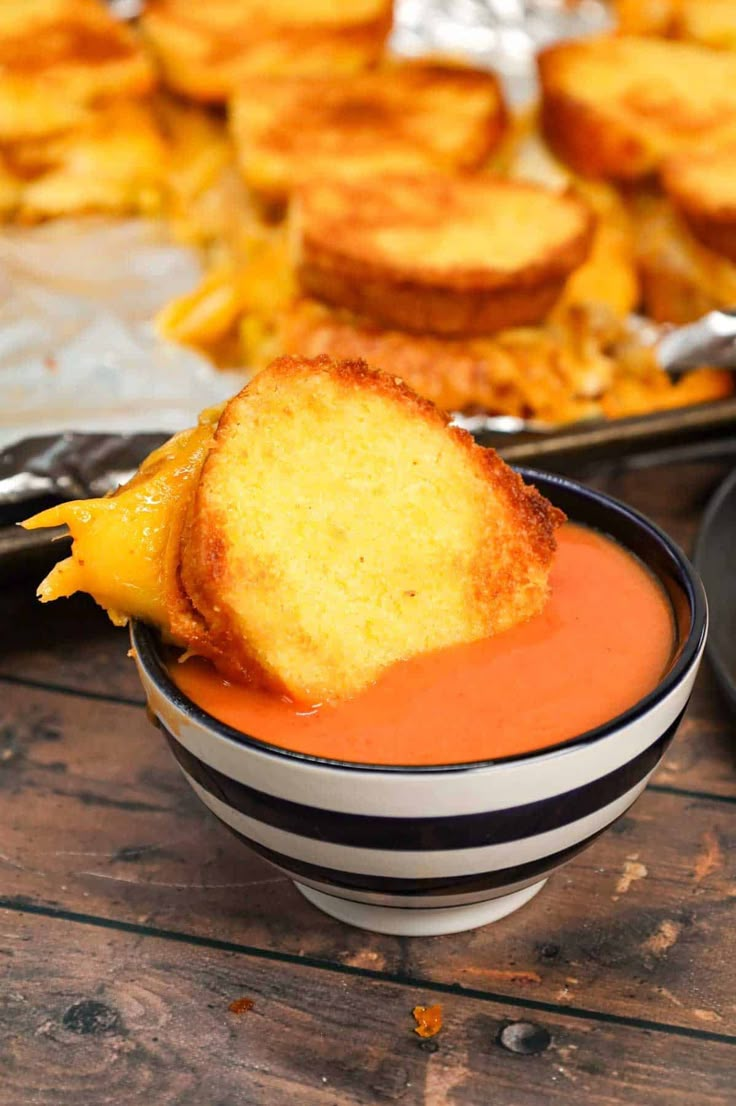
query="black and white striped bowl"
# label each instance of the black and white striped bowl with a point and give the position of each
(427, 850)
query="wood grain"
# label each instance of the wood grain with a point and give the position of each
(68, 644)
(97, 818)
(94, 1015)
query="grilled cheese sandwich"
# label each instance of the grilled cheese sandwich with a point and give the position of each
(617, 106)
(58, 59)
(432, 253)
(404, 116)
(205, 51)
(709, 22)
(430, 540)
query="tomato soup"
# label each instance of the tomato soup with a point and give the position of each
(601, 643)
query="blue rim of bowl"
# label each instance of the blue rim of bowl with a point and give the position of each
(144, 641)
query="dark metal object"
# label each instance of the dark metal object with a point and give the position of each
(715, 560)
(71, 466)
(615, 440)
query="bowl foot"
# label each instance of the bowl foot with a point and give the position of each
(408, 922)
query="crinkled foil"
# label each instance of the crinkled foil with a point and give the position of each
(502, 34)
(71, 466)
(86, 386)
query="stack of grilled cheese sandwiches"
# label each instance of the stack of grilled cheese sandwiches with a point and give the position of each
(350, 203)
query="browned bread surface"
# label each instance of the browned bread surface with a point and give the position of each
(616, 106)
(340, 525)
(432, 253)
(681, 277)
(402, 116)
(702, 187)
(60, 57)
(710, 22)
(582, 364)
(205, 50)
(113, 163)
(531, 372)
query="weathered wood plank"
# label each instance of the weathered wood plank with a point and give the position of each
(97, 818)
(99, 1016)
(703, 756)
(70, 643)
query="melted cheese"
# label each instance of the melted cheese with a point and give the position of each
(125, 545)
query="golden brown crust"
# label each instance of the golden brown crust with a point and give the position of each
(397, 118)
(115, 162)
(574, 132)
(194, 590)
(702, 187)
(361, 250)
(422, 310)
(681, 278)
(615, 106)
(59, 59)
(204, 53)
(583, 365)
(536, 515)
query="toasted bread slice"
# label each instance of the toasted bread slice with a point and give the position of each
(608, 276)
(340, 525)
(584, 364)
(702, 187)
(532, 372)
(59, 57)
(400, 117)
(439, 254)
(114, 163)
(681, 278)
(205, 50)
(710, 22)
(617, 106)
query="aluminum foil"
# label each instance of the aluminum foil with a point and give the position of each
(502, 34)
(77, 348)
(86, 386)
(71, 466)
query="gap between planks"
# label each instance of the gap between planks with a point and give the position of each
(455, 989)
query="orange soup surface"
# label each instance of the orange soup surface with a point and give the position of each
(602, 642)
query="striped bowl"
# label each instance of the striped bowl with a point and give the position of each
(428, 850)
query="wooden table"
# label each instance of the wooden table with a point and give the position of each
(130, 920)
